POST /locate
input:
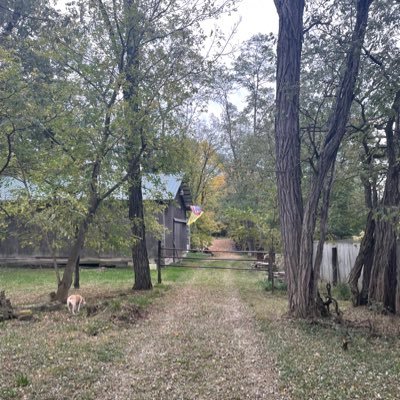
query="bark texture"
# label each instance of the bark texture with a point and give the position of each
(364, 260)
(323, 227)
(73, 259)
(135, 146)
(287, 137)
(298, 227)
(363, 264)
(140, 258)
(383, 288)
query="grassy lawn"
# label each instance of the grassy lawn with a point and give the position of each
(310, 358)
(62, 353)
(31, 286)
(65, 354)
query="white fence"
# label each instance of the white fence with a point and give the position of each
(345, 252)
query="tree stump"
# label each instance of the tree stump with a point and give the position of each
(6, 310)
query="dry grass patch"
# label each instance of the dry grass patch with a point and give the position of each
(216, 335)
(311, 361)
(57, 355)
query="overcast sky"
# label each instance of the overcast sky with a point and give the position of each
(257, 16)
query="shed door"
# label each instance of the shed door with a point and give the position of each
(179, 236)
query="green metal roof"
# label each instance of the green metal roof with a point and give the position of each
(160, 187)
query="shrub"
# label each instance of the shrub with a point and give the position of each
(342, 291)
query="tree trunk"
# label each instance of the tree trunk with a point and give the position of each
(383, 277)
(298, 228)
(323, 227)
(363, 264)
(66, 281)
(287, 138)
(140, 259)
(397, 298)
(364, 260)
(383, 288)
(77, 274)
(335, 134)
(136, 144)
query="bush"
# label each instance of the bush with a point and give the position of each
(342, 292)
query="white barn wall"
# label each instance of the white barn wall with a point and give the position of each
(347, 252)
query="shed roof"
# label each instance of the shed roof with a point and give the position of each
(161, 187)
(165, 187)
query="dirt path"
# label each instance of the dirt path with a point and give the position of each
(224, 245)
(200, 343)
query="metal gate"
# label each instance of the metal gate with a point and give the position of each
(255, 261)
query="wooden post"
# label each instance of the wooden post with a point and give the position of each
(77, 272)
(173, 241)
(159, 263)
(271, 276)
(334, 266)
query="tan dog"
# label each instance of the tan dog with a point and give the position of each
(74, 303)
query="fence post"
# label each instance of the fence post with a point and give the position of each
(159, 263)
(271, 276)
(334, 266)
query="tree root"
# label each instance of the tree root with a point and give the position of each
(324, 306)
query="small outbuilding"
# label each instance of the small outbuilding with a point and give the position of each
(174, 193)
(170, 191)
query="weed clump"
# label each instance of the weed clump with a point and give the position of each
(342, 292)
(22, 380)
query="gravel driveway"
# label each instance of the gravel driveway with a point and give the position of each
(199, 343)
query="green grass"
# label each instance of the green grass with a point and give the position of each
(310, 359)
(175, 274)
(27, 277)
(56, 344)
(27, 285)
(278, 286)
(341, 291)
(21, 380)
(23, 282)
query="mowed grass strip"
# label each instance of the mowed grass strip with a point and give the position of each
(30, 286)
(309, 356)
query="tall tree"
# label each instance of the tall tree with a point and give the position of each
(383, 286)
(298, 224)
(158, 47)
(287, 140)
(378, 100)
(112, 72)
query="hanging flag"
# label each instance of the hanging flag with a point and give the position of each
(195, 214)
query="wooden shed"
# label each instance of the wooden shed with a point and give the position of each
(172, 191)
(168, 190)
